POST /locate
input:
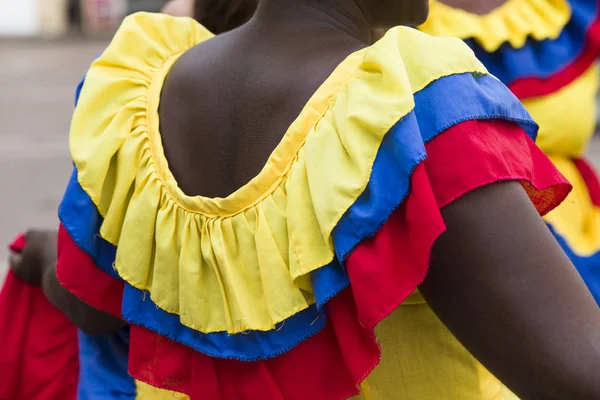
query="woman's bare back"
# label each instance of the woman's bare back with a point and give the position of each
(225, 105)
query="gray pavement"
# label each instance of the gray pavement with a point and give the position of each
(37, 83)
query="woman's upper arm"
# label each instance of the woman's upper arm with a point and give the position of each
(85, 317)
(503, 286)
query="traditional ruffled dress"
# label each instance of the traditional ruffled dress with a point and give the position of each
(301, 282)
(545, 51)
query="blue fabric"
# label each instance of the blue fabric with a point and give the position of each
(103, 364)
(541, 59)
(588, 267)
(444, 103)
(328, 282)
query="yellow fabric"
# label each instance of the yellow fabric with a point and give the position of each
(239, 263)
(577, 219)
(567, 118)
(147, 392)
(422, 360)
(513, 22)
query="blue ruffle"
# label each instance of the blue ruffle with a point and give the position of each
(541, 59)
(249, 346)
(444, 103)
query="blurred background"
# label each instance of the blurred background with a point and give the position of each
(45, 48)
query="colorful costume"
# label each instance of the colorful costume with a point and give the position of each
(545, 51)
(275, 291)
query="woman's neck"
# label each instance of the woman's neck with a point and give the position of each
(480, 7)
(341, 16)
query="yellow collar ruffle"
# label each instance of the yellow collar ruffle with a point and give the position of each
(513, 22)
(242, 262)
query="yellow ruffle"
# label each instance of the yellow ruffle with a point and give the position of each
(567, 118)
(239, 263)
(513, 22)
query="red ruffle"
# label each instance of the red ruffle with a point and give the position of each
(383, 270)
(327, 366)
(77, 272)
(39, 352)
(533, 87)
(474, 154)
(590, 177)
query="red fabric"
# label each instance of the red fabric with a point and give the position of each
(590, 177)
(38, 344)
(473, 154)
(383, 270)
(18, 244)
(77, 272)
(386, 269)
(532, 87)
